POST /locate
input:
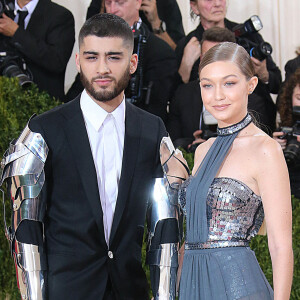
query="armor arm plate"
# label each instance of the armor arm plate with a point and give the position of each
(163, 224)
(23, 172)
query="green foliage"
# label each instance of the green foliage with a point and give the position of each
(17, 105)
(259, 245)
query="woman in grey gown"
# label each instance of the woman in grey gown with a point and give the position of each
(239, 178)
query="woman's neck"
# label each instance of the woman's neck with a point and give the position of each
(209, 24)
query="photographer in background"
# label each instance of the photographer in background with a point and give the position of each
(43, 33)
(211, 14)
(288, 134)
(163, 18)
(292, 65)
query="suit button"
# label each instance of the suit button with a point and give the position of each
(110, 255)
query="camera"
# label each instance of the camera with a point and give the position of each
(7, 7)
(11, 62)
(136, 92)
(242, 31)
(292, 150)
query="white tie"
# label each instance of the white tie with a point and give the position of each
(110, 180)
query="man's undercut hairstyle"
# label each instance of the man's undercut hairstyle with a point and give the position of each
(218, 35)
(107, 25)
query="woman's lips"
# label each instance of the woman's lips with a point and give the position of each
(221, 107)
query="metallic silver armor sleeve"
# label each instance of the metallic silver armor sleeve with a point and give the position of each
(23, 172)
(165, 206)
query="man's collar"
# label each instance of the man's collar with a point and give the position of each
(30, 6)
(96, 115)
(137, 24)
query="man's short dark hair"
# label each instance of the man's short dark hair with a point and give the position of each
(218, 35)
(107, 25)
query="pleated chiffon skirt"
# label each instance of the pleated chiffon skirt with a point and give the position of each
(223, 274)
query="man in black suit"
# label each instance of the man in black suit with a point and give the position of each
(102, 162)
(157, 63)
(45, 39)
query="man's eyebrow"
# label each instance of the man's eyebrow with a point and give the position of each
(114, 53)
(90, 52)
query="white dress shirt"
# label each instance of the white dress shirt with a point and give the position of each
(30, 6)
(95, 120)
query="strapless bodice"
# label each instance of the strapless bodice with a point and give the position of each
(234, 213)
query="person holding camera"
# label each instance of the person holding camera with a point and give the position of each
(288, 135)
(292, 65)
(43, 33)
(163, 18)
(212, 13)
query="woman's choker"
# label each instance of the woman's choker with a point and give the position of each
(235, 127)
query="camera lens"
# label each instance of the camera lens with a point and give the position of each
(261, 51)
(13, 70)
(292, 152)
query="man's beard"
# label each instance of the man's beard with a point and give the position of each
(106, 95)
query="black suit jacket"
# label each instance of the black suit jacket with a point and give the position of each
(159, 67)
(46, 45)
(77, 254)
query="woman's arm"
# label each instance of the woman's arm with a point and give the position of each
(274, 186)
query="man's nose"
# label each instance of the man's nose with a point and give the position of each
(102, 67)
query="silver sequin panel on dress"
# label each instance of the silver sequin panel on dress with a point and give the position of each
(234, 213)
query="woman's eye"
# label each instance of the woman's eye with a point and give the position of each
(206, 85)
(229, 83)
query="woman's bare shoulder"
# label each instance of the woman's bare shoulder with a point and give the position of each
(265, 150)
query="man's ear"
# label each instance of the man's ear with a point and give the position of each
(138, 4)
(133, 63)
(77, 61)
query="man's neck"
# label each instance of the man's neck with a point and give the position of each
(207, 24)
(133, 21)
(22, 3)
(111, 105)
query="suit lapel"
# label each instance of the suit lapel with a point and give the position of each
(80, 147)
(37, 17)
(130, 153)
